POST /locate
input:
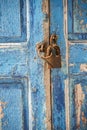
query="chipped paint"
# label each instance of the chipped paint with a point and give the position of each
(58, 76)
(78, 58)
(77, 20)
(83, 67)
(2, 105)
(67, 105)
(71, 65)
(36, 67)
(49, 101)
(79, 98)
(81, 22)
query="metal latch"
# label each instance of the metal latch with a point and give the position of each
(50, 53)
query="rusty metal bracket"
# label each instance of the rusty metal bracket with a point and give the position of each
(50, 53)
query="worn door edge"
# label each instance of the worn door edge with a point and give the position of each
(67, 103)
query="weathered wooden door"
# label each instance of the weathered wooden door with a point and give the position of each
(60, 102)
(33, 97)
(14, 81)
(68, 19)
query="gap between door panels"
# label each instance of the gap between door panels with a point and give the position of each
(47, 72)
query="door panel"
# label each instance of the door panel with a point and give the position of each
(13, 61)
(13, 21)
(77, 22)
(14, 74)
(13, 104)
(77, 63)
(21, 28)
(36, 66)
(77, 58)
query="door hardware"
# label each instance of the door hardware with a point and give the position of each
(50, 53)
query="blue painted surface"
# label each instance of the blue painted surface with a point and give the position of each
(58, 108)
(20, 62)
(79, 16)
(77, 64)
(13, 92)
(14, 80)
(75, 80)
(12, 20)
(77, 57)
(58, 75)
(77, 21)
(13, 62)
(36, 68)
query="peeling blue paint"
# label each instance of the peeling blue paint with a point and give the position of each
(77, 20)
(75, 80)
(13, 62)
(58, 75)
(36, 70)
(20, 64)
(77, 57)
(13, 65)
(13, 21)
(13, 93)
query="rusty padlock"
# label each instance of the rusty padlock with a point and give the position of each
(51, 52)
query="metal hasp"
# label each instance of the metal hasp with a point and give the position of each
(50, 53)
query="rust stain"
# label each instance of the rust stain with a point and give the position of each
(79, 98)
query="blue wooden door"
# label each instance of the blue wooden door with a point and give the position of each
(66, 91)
(77, 62)
(33, 97)
(68, 20)
(14, 81)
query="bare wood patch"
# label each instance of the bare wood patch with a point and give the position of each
(67, 104)
(83, 67)
(79, 98)
(71, 65)
(2, 105)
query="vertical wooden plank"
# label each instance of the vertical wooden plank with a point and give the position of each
(38, 73)
(58, 75)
